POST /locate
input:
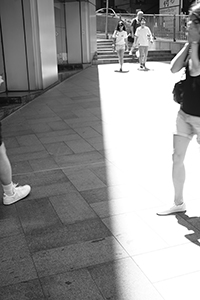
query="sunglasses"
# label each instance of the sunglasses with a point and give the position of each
(195, 21)
(197, 16)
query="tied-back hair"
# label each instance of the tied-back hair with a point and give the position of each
(195, 11)
(118, 25)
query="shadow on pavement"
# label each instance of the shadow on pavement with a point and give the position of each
(192, 224)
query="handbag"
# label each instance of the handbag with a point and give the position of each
(178, 91)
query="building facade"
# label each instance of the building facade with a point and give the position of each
(148, 6)
(38, 35)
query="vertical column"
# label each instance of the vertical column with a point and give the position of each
(92, 27)
(74, 39)
(14, 44)
(81, 31)
(29, 43)
(47, 41)
(88, 30)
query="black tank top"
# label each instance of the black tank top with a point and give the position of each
(191, 97)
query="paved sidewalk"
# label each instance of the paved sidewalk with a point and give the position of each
(96, 150)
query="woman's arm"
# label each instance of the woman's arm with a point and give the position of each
(135, 41)
(194, 55)
(114, 39)
(126, 43)
(178, 62)
(194, 40)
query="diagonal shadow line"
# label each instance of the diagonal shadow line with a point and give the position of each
(191, 223)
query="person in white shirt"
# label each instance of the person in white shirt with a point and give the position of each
(142, 38)
(120, 39)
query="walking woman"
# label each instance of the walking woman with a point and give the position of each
(120, 39)
(188, 118)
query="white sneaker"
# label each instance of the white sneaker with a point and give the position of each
(19, 192)
(174, 209)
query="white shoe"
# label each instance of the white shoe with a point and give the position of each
(19, 193)
(174, 209)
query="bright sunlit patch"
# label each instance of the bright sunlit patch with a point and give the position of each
(138, 116)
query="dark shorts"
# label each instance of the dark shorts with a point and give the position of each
(0, 135)
(130, 39)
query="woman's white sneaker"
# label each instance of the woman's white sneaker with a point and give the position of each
(174, 209)
(19, 193)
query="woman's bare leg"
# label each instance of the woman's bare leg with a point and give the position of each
(180, 145)
(5, 167)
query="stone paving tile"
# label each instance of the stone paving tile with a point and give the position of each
(79, 159)
(101, 172)
(42, 127)
(81, 255)
(14, 131)
(96, 142)
(54, 189)
(59, 125)
(43, 178)
(59, 138)
(80, 121)
(95, 111)
(97, 127)
(71, 208)
(64, 113)
(95, 195)
(89, 104)
(132, 233)
(92, 124)
(84, 95)
(170, 289)
(25, 149)
(28, 156)
(123, 280)
(36, 215)
(56, 133)
(28, 140)
(57, 149)
(59, 236)
(42, 164)
(105, 194)
(9, 221)
(184, 259)
(84, 180)
(79, 146)
(41, 119)
(82, 112)
(48, 115)
(30, 290)
(11, 142)
(21, 167)
(75, 285)
(16, 264)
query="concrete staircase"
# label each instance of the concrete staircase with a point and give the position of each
(105, 54)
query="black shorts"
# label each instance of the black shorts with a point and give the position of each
(130, 39)
(0, 135)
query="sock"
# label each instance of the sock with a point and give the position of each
(8, 189)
